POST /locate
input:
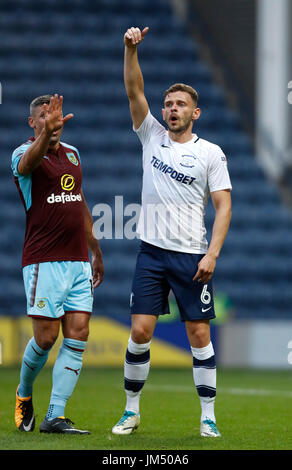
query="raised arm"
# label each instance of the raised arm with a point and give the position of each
(133, 77)
(53, 120)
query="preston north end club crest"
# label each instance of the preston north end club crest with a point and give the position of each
(188, 161)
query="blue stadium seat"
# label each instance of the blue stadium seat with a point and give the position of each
(46, 50)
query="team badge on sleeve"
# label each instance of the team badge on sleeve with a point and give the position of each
(71, 156)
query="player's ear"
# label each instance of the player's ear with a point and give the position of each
(196, 113)
(162, 112)
(30, 122)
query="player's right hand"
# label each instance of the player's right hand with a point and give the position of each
(54, 119)
(134, 36)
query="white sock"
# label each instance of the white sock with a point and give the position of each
(204, 373)
(136, 369)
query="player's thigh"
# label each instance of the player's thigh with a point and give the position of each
(194, 299)
(46, 286)
(150, 288)
(80, 295)
(143, 327)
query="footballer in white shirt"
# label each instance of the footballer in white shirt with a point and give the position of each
(180, 171)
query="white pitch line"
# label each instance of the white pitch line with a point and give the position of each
(256, 391)
(230, 391)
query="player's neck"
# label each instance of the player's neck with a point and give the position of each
(181, 138)
(54, 146)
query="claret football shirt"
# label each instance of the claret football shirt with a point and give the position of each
(52, 199)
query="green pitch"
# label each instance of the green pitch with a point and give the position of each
(253, 411)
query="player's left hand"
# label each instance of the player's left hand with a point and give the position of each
(206, 269)
(97, 269)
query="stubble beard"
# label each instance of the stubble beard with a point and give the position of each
(181, 129)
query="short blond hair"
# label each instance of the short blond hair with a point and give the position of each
(183, 87)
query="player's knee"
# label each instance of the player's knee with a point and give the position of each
(76, 327)
(199, 337)
(140, 334)
(46, 341)
(45, 332)
(81, 333)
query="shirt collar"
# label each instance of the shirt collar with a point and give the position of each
(54, 152)
(168, 142)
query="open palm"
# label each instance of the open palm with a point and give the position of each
(54, 119)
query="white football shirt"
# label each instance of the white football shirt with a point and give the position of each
(177, 181)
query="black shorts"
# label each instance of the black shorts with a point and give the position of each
(157, 272)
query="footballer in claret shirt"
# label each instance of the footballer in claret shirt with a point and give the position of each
(58, 277)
